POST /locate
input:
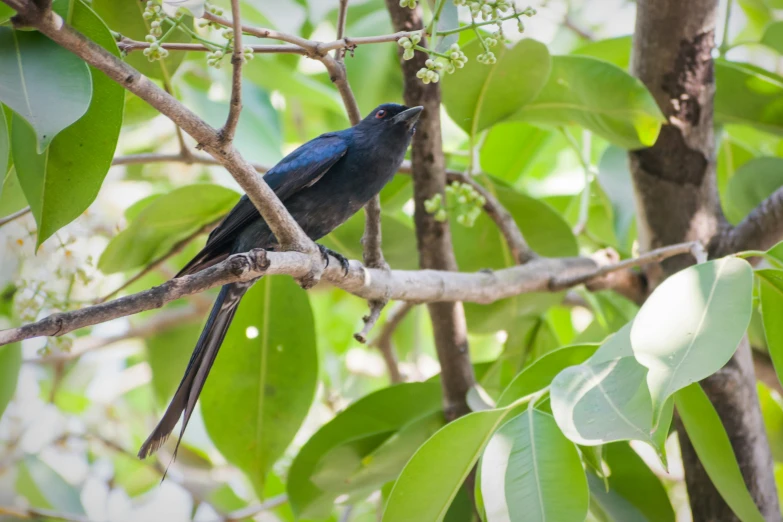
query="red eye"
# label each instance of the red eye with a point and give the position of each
(380, 114)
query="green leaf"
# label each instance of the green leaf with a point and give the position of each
(539, 375)
(42, 82)
(530, 472)
(5, 13)
(771, 295)
(748, 95)
(527, 141)
(10, 364)
(45, 488)
(606, 399)
(163, 222)
(773, 37)
(691, 325)
(615, 179)
(359, 431)
(63, 181)
(168, 354)
(714, 450)
(125, 18)
(433, 476)
(261, 387)
(599, 96)
(751, 184)
(5, 146)
(11, 196)
(478, 96)
(615, 50)
(772, 411)
(635, 493)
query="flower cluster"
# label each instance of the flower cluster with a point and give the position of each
(411, 4)
(153, 13)
(462, 200)
(457, 58)
(154, 51)
(215, 10)
(409, 43)
(431, 72)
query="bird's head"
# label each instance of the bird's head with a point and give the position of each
(392, 119)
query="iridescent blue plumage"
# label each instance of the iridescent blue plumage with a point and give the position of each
(322, 184)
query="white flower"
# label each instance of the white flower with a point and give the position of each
(196, 7)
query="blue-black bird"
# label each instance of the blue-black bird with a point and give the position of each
(322, 184)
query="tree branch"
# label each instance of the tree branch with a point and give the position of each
(384, 340)
(237, 60)
(11, 217)
(418, 286)
(342, 16)
(128, 46)
(760, 230)
(286, 230)
(165, 320)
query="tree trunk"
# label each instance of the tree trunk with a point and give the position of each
(434, 237)
(677, 200)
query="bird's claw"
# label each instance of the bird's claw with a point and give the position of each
(326, 252)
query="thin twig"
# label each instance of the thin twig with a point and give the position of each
(342, 15)
(16, 215)
(127, 45)
(237, 60)
(252, 511)
(384, 340)
(178, 247)
(694, 248)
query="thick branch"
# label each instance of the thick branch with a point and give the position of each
(284, 227)
(237, 60)
(418, 286)
(760, 230)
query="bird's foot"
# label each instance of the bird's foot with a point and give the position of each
(326, 252)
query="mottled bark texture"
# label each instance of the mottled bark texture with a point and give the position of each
(433, 237)
(677, 201)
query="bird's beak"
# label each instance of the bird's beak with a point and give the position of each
(409, 116)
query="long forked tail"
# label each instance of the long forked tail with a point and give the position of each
(204, 354)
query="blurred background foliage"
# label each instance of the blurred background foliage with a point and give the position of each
(76, 407)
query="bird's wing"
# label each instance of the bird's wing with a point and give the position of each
(299, 170)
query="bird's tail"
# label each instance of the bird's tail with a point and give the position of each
(204, 354)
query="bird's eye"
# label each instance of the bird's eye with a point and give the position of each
(380, 114)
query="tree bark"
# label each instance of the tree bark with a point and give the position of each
(433, 237)
(677, 200)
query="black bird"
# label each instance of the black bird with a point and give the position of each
(322, 184)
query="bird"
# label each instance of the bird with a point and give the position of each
(322, 183)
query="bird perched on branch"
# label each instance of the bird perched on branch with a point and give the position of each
(322, 184)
